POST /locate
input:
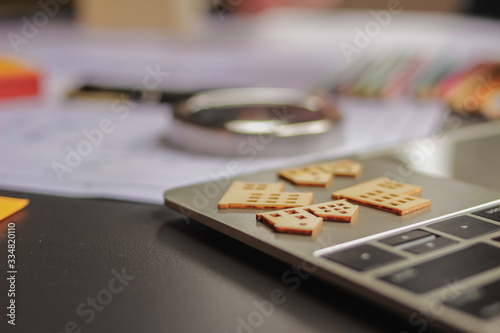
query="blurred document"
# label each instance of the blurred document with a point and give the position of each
(85, 149)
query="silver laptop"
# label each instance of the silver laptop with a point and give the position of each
(439, 267)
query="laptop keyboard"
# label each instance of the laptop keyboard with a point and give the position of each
(482, 302)
(364, 257)
(439, 272)
(465, 227)
(476, 237)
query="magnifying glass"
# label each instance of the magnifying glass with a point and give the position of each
(240, 121)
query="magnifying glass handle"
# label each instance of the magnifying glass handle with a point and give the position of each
(138, 95)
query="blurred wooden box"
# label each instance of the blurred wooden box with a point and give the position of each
(180, 17)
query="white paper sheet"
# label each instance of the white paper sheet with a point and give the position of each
(133, 162)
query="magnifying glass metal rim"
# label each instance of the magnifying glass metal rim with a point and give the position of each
(284, 136)
(320, 113)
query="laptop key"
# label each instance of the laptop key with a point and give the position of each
(482, 302)
(492, 213)
(432, 245)
(465, 227)
(363, 257)
(405, 237)
(446, 270)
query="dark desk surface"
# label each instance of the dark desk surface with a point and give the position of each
(182, 276)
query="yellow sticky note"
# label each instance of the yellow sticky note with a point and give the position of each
(9, 206)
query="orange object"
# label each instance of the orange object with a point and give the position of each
(17, 79)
